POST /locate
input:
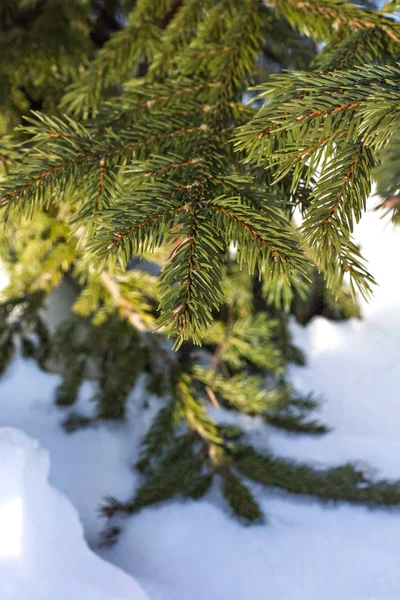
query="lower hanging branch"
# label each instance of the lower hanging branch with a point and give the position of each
(186, 450)
(186, 464)
(345, 482)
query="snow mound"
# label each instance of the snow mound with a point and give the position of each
(43, 554)
(193, 551)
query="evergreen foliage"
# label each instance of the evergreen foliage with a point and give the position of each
(152, 154)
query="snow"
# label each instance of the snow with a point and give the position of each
(305, 552)
(88, 465)
(195, 549)
(42, 551)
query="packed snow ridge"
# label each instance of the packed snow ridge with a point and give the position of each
(43, 555)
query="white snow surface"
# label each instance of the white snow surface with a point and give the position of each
(43, 554)
(194, 549)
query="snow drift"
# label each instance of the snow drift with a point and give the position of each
(42, 551)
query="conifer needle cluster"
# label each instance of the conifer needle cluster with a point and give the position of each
(141, 173)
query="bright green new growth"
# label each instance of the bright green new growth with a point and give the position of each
(153, 153)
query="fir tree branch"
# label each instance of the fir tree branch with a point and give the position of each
(162, 94)
(217, 356)
(100, 186)
(325, 17)
(118, 237)
(120, 56)
(369, 45)
(191, 278)
(41, 179)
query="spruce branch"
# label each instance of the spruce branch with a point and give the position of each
(253, 233)
(220, 349)
(157, 96)
(368, 45)
(191, 278)
(339, 483)
(120, 57)
(46, 168)
(326, 17)
(102, 169)
(240, 498)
